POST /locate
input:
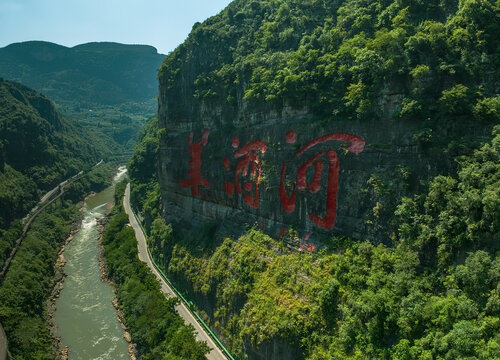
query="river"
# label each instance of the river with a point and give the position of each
(85, 317)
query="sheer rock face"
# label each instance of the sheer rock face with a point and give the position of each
(389, 144)
(202, 147)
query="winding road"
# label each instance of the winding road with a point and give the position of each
(45, 201)
(182, 309)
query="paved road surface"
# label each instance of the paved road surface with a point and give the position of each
(216, 353)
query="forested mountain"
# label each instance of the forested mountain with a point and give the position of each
(417, 81)
(410, 267)
(102, 73)
(109, 88)
(38, 148)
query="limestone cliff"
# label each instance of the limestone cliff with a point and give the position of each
(317, 117)
(233, 91)
(392, 152)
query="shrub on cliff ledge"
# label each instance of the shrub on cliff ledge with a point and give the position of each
(434, 295)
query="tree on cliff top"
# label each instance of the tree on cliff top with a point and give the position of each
(339, 57)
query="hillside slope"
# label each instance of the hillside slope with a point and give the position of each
(38, 148)
(109, 88)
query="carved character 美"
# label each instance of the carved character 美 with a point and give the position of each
(196, 179)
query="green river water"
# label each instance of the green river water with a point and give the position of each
(85, 317)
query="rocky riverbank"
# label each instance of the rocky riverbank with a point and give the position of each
(101, 223)
(59, 351)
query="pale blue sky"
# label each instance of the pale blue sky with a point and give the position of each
(161, 23)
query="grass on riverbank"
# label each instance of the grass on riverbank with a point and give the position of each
(155, 327)
(29, 282)
(31, 275)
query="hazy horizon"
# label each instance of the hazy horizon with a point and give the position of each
(89, 42)
(162, 24)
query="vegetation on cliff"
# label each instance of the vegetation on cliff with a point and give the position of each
(141, 299)
(432, 292)
(145, 190)
(433, 295)
(339, 58)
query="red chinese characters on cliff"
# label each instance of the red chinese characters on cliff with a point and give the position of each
(288, 203)
(247, 173)
(250, 161)
(196, 179)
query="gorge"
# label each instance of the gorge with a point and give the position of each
(321, 181)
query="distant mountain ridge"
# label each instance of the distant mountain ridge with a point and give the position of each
(97, 72)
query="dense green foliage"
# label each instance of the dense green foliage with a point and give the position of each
(30, 278)
(29, 282)
(38, 149)
(434, 295)
(145, 190)
(142, 164)
(95, 180)
(457, 215)
(435, 63)
(140, 297)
